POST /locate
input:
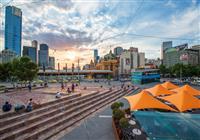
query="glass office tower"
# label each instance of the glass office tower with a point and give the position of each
(13, 29)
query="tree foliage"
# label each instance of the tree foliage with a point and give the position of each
(23, 69)
(178, 69)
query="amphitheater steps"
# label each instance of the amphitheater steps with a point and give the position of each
(50, 119)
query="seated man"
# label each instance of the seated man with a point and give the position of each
(68, 90)
(19, 107)
(58, 95)
(6, 107)
(30, 104)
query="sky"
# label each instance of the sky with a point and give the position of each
(74, 28)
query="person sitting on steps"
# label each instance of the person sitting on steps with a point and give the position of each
(58, 95)
(6, 107)
(68, 90)
(30, 105)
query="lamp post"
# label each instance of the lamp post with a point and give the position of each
(183, 57)
(78, 69)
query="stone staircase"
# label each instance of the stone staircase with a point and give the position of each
(51, 118)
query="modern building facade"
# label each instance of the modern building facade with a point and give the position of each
(165, 45)
(133, 49)
(197, 48)
(130, 59)
(7, 56)
(118, 51)
(141, 59)
(13, 29)
(43, 55)
(34, 44)
(96, 57)
(180, 54)
(31, 52)
(51, 62)
(142, 76)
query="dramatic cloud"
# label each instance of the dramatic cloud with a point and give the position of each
(73, 28)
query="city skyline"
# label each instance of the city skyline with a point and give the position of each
(90, 25)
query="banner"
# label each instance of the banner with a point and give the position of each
(184, 57)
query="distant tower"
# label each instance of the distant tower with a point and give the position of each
(35, 45)
(96, 57)
(13, 29)
(165, 46)
(118, 51)
(44, 55)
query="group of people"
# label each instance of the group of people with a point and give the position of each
(58, 94)
(68, 89)
(29, 107)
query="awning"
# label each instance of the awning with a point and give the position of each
(158, 90)
(168, 85)
(188, 89)
(183, 101)
(144, 100)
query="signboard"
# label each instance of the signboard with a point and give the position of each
(184, 57)
(127, 61)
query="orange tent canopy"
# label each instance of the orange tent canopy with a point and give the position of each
(183, 101)
(159, 90)
(168, 85)
(144, 100)
(188, 89)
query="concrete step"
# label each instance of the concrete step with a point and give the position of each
(43, 108)
(54, 131)
(31, 127)
(31, 119)
(13, 114)
(77, 116)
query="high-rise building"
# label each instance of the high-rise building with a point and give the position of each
(118, 51)
(180, 54)
(13, 29)
(141, 59)
(44, 55)
(7, 56)
(130, 59)
(133, 49)
(96, 57)
(164, 47)
(197, 47)
(31, 52)
(51, 62)
(34, 44)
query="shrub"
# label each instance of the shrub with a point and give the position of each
(123, 122)
(127, 111)
(121, 104)
(118, 114)
(117, 105)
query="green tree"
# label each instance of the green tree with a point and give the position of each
(6, 71)
(163, 69)
(24, 69)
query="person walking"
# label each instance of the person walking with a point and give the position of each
(73, 87)
(29, 87)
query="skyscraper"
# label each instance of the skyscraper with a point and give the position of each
(44, 55)
(30, 52)
(51, 62)
(13, 29)
(118, 51)
(96, 57)
(35, 45)
(165, 46)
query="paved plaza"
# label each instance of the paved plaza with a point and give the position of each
(47, 94)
